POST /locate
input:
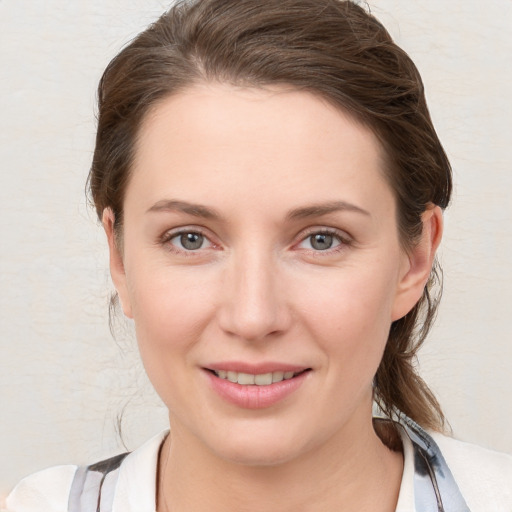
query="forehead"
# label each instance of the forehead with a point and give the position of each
(287, 144)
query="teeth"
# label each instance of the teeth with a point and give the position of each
(277, 376)
(248, 379)
(245, 378)
(264, 379)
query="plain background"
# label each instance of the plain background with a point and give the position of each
(64, 379)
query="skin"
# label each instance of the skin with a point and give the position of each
(257, 290)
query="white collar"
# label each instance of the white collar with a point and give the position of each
(136, 485)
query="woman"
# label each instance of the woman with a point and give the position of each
(272, 187)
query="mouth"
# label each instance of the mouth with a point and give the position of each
(256, 386)
(260, 379)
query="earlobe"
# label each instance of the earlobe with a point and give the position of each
(419, 263)
(117, 270)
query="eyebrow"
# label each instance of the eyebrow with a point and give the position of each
(314, 210)
(197, 210)
(317, 210)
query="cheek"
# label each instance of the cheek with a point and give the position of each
(170, 311)
(168, 327)
(350, 315)
(167, 304)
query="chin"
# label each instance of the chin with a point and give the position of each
(258, 455)
(255, 447)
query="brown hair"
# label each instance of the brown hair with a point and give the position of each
(331, 48)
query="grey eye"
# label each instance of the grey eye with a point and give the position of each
(191, 241)
(321, 241)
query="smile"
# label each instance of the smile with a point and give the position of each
(249, 379)
(266, 387)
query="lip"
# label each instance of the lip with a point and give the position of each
(253, 396)
(255, 369)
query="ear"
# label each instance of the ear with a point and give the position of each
(418, 263)
(116, 262)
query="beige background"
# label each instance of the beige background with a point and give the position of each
(63, 379)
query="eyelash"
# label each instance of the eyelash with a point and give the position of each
(171, 235)
(343, 241)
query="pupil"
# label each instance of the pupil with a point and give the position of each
(191, 241)
(321, 242)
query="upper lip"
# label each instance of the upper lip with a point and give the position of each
(255, 369)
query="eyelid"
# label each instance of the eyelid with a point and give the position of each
(170, 234)
(344, 238)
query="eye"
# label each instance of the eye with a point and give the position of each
(189, 241)
(321, 241)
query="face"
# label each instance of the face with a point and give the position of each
(262, 266)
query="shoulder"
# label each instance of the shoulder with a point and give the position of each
(46, 490)
(483, 476)
(132, 486)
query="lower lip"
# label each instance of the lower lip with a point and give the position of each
(253, 396)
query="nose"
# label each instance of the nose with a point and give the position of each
(253, 304)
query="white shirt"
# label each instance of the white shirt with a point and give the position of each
(484, 477)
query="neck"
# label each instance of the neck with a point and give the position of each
(351, 471)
